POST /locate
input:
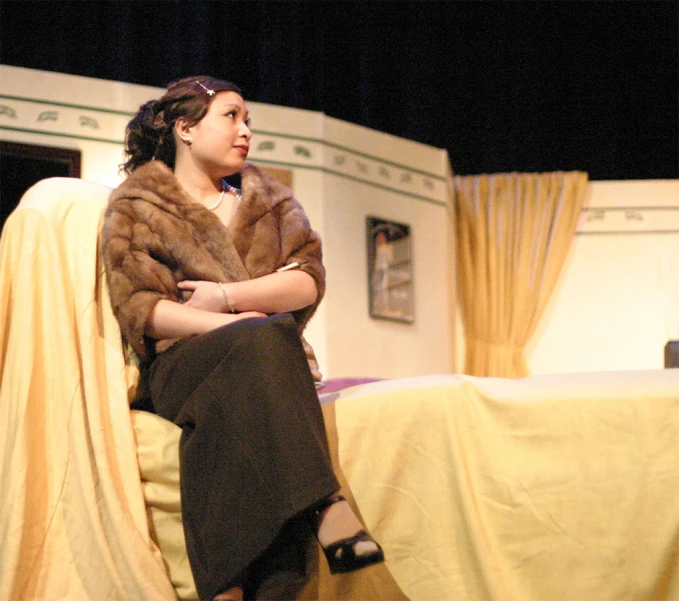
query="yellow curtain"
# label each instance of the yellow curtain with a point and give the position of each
(513, 235)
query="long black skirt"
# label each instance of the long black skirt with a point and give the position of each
(253, 451)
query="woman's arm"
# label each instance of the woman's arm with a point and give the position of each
(208, 309)
(170, 319)
(277, 292)
(143, 291)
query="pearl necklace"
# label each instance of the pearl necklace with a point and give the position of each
(232, 189)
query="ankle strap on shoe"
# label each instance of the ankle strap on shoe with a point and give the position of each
(318, 510)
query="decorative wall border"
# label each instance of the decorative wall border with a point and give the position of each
(34, 116)
(628, 220)
(298, 151)
(94, 124)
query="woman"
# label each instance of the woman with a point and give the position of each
(212, 289)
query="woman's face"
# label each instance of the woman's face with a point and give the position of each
(220, 141)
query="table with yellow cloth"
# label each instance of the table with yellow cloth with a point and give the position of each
(550, 488)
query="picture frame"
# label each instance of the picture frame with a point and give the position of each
(390, 272)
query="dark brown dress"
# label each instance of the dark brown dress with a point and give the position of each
(253, 451)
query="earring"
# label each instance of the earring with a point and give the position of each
(187, 141)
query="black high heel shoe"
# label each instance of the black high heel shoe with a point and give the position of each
(341, 555)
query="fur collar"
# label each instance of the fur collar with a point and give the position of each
(155, 183)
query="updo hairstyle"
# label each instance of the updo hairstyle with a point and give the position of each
(149, 135)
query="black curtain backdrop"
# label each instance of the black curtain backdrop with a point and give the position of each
(503, 86)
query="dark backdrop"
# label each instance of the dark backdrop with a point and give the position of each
(503, 86)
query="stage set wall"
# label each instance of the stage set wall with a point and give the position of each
(617, 301)
(340, 172)
(616, 304)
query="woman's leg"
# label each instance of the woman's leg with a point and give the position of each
(253, 452)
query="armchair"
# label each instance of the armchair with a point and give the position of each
(90, 504)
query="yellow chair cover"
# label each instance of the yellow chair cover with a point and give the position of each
(73, 519)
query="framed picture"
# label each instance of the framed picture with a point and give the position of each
(390, 278)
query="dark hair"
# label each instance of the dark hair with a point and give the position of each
(149, 135)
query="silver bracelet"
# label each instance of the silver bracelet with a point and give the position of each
(226, 298)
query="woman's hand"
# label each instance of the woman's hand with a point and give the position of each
(277, 292)
(206, 296)
(170, 319)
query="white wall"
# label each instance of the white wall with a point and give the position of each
(79, 113)
(396, 180)
(615, 307)
(617, 303)
(341, 174)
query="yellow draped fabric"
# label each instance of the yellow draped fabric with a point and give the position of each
(72, 514)
(513, 235)
(546, 488)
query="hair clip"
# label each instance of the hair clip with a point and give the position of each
(208, 90)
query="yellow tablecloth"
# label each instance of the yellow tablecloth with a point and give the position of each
(550, 488)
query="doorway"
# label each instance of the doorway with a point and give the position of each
(23, 165)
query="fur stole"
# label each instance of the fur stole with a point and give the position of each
(155, 235)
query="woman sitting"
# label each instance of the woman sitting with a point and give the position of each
(213, 273)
